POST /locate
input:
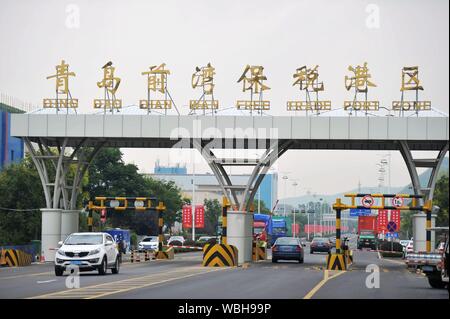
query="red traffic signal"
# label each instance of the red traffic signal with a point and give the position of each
(103, 216)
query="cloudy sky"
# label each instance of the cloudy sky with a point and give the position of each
(280, 35)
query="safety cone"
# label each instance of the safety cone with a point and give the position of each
(42, 260)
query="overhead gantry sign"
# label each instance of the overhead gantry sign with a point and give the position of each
(133, 203)
(339, 259)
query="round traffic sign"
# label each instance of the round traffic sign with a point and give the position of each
(397, 201)
(367, 201)
(138, 203)
(391, 227)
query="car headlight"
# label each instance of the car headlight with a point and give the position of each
(61, 252)
(94, 252)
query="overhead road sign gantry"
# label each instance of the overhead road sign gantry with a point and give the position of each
(382, 201)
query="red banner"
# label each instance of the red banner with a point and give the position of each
(382, 221)
(295, 229)
(311, 228)
(395, 217)
(199, 216)
(187, 216)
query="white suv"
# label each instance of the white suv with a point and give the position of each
(88, 251)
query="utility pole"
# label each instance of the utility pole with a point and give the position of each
(193, 199)
(284, 206)
(293, 223)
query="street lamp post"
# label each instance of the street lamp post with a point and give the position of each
(193, 200)
(293, 223)
(284, 206)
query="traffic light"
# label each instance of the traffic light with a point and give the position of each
(103, 216)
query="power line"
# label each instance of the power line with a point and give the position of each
(20, 210)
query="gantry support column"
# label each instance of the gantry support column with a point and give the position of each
(61, 216)
(420, 234)
(239, 219)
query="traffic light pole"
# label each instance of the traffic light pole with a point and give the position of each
(160, 208)
(90, 218)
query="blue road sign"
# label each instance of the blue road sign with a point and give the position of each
(393, 235)
(354, 212)
(391, 226)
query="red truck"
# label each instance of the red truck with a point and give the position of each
(367, 232)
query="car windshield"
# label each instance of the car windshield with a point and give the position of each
(321, 240)
(258, 230)
(176, 238)
(278, 230)
(149, 239)
(286, 241)
(86, 239)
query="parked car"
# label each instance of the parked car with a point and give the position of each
(332, 241)
(203, 240)
(88, 251)
(288, 248)
(176, 241)
(148, 243)
(320, 244)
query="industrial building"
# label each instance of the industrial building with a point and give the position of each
(11, 148)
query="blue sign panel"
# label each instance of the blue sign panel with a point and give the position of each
(354, 212)
(393, 235)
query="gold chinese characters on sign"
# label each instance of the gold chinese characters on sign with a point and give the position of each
(252, 80)
(411, 82)
(308, 81)
(156, 82)
(110, 83)
(360, 81)
(63, 97)
(204, 78)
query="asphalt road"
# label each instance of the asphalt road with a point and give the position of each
(184, 278)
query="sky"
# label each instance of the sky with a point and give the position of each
(279, 35)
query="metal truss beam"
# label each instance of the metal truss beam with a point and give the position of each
(57, 185)
(412, 165)
(261, 166)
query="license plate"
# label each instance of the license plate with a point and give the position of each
(76, 262)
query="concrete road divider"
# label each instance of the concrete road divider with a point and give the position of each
(15, 258)
(220, 255)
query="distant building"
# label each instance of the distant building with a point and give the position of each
(11, 148)
(170, 170)
(207, 187)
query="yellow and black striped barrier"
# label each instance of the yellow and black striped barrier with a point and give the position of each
(349, 257)
(336, 262)
(259, 251)
(165, 254)
(220, 255)
(15, 258)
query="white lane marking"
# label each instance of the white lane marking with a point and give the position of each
(45, 281)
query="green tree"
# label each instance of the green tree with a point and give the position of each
(441, 199)
(20, 189)
(262, 206)
(110, 176)
(213, 210)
